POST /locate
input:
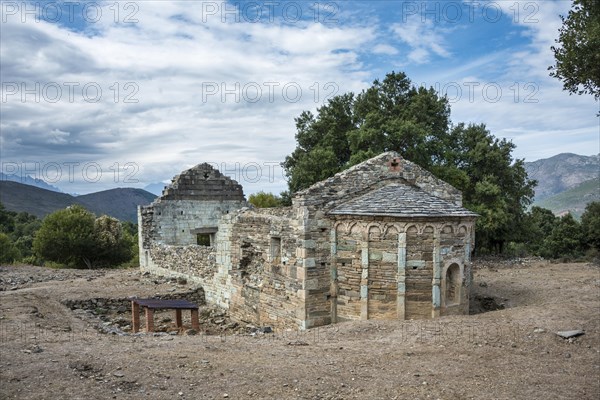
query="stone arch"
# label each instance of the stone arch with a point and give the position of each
(463, 230)
(391, 231)
(452, 283)
(412, 229)
(428, 229)
(447, 229)
(354, 228)
(374, 231)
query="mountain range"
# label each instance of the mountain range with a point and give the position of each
(28, 180)
(120, 203)
(566, 182)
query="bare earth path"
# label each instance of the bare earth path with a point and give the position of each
(51, 351)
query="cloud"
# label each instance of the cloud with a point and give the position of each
(59, 137)
(423, 37)
(183, 84)
(385, 49)
(137, 93)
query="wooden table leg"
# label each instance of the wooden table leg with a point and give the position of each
(195, 321)
(149, 319)
(135, 316)
(178, 322)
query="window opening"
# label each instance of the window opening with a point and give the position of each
(276, 250)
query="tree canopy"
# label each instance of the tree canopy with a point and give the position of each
(577, 54)
(264, 200)
(590, 225)
(76, 238)
(8, 251)
(414, 121)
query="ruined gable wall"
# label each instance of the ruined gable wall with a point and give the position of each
(196, 199)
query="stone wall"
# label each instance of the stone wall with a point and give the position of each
(194, 260)
(456, 242)
(264, 268)
(382, 282)
(303, 267)
(194, 263)
(386, 268)
(419, 271)
(348, 271)
(176, 222)
(193, 203)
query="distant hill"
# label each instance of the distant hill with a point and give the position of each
(120, 203)
(155, 188)
(34, 200)
(566, 182)
(562, 172)
(28, 180)
(573, 200)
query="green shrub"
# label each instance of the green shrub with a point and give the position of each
(9, 253)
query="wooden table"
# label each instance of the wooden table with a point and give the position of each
(150, 305)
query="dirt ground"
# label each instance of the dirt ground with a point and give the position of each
(60, 338)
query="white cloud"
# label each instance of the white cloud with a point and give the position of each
(58, 137)
(177, 51)
(532, 110)
(383, 48)
(164, 65)
(423, 37)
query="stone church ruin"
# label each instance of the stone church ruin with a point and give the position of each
(384, 239)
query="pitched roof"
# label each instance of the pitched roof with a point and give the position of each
(398, 200)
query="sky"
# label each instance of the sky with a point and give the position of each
(103, 94)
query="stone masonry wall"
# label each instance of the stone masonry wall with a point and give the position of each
(455, 248)
(382, 282)
(419, 272)
(264, 271)
(174, 221)
(194, 263)
(376, 274)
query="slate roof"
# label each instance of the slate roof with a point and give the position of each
(398, 200)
